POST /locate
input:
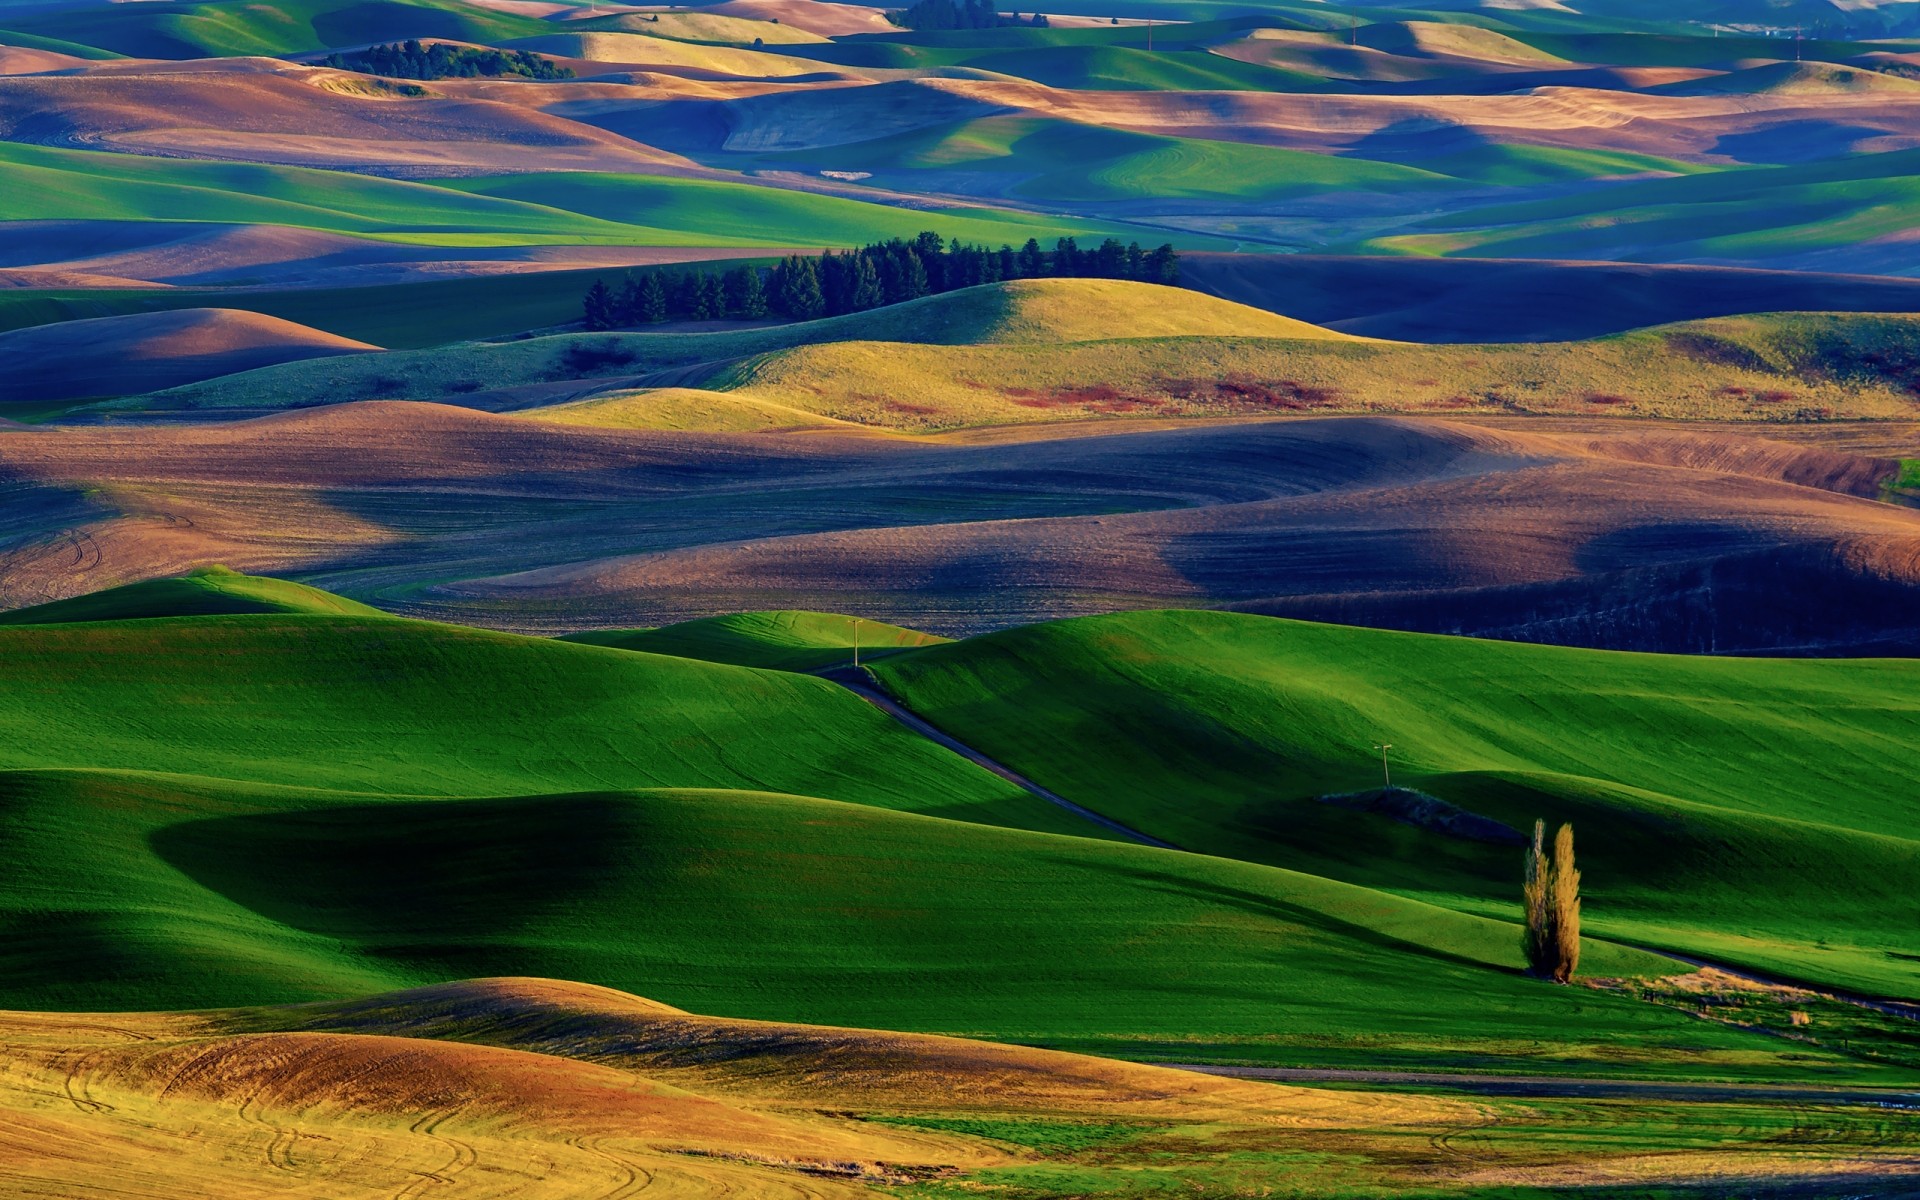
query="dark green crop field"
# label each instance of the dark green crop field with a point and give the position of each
(280, 803)
(1752, 811)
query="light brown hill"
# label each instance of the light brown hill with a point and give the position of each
(814, 16)
(20, 60)
(264, 110)
(137, 253)
(547, 527)
(533, 1088)
(111, 356)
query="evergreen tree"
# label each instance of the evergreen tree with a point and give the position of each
(626, 304)
(1136, 261)
(797, 292)
(1110, 260)
(1066, 258)
(1163, 266)
(930, 248)
(746, 298)
(1033, 261)
(710, 301)
(865, 291)
(1009, 264)
(650, 305)
(915, 283)
(836, 282)
(683, 297)
(597, 308)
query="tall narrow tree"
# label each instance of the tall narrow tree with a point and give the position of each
(650, 304)
(1564, 898)
(1536, 940)
(597, 308)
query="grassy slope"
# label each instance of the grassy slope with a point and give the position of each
(398, 315)
(1748, 810)
(175, 29)
(1750, 368)
(1068, 162)
(47, 184)
(375, 704)
(785, 641)
(1788, 367)
(235, 809)
(1024, 311)
(742, 214)
(1755, 212)
(190, 892)
(206, 592)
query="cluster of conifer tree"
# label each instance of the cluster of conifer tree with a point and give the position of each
(411, 60)
(960, 14)
(802, 287)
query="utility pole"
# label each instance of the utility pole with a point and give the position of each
(856, 643)
(1385, 774)
(1149, 35)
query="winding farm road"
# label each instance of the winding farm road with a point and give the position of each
(859, 684)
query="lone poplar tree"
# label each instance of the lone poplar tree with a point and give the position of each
(1565, 899)
(1536, 940)
(1551, 940)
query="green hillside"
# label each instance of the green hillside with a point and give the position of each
(1752, 213)
(1750, 811)
(1068, 162)
(172, 892)
(399, 315)
(48, 184)
(206, 592)
(785, 641)
(1026, 311)
(1056, 350)
(739, 214)
(175, 29)
(239, 809)
(377, 704)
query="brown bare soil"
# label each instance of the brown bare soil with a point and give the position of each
(1609, 534)
(108, 356)
(265, 110)
(532, 1087)
(132, 253)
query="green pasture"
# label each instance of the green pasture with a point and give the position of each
(1749, 213)
(208, 591)
(404, 316)
(785, 641)
(1751, 811)
(269, 806)
(219, 28)
(49, 184)
(1067, 162)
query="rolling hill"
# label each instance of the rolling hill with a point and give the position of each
(110, 356)
(70, 184)
(1705, 790)
(205, 592)
(262, 841)
(182, 29)
(784, 641)
(469, 1082)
